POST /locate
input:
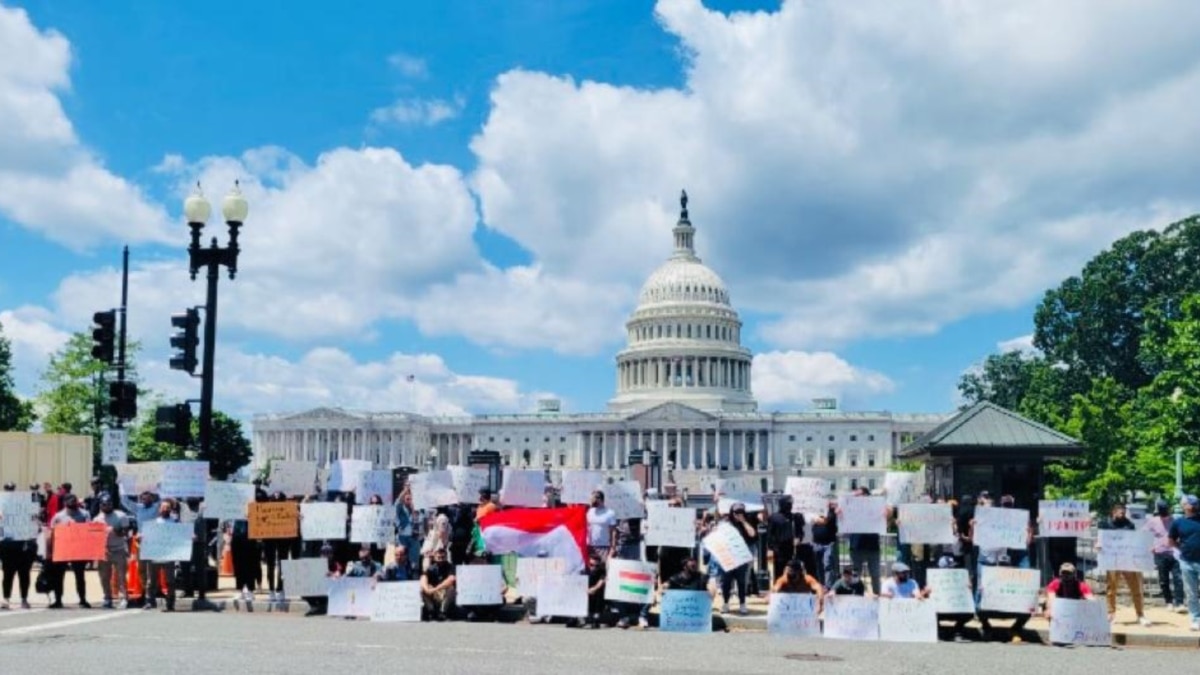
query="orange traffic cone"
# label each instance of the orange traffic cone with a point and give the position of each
(226, 562)
(134, 578)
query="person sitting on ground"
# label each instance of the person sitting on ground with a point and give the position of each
(318, 605)
(1066, 585)
(437, 587)
(365, 566)
(849, 584)
(902, 585)
(400, 569)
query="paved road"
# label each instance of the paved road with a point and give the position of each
(134, 642)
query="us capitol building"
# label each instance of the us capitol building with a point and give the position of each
(683, 390)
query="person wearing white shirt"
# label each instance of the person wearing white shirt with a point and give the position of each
(601, 526)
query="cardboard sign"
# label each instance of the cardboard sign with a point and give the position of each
(744, 489)
(323, 520)
(862, 515)
(114, 448)
(1064, 518)
(19, 516)
(728, 547)
(523, 488)
(793, 615)
(274, 520)
(373, 525)
(305, 578)
(670, 526)
(75, 542)
(1009, 589)
(344, 474)
(529, 570)
(134, 479)
(1001, 528)
(432, 489)
(1125, 550)
(810, 496)
(351, 596)
(630, 581)
(926, 524)
(1080, 622)
(397, 601)
(685, 612)
(166, 541)
(907, 620)
(183, 479)
(376, 482)
(479, 585)
(900, 487)
(468, 481)
(950, 591)
(227, 501)
(562, 595)
(625, 499)
(294, 479)
(578, 485)
(850, 617)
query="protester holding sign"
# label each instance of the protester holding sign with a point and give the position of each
(902, 585)
(738, 575)
(785, 537)
(1068, 586)
(601, 527)
(437, 587)
(114, 566)
(1133, 580)
(57, 571)
(849, 583)
(1185, 535)
(865, 552)
(597, 574)
(17, 554)
(795, 580)
(165, 568)
(1170, 583)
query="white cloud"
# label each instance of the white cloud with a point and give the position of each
(34, 337)
(789, 379)
(1021, 343)
(417, 112)
(408, 65)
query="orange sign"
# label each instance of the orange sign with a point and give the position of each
(274, 520)
(79, 541)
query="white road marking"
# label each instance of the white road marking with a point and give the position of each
(65, 624)
(20, 612)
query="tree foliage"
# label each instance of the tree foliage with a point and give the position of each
(231, 450)
(16, 414)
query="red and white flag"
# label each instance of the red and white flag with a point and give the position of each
(530, 533)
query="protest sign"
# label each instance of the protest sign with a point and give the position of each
(926, 524)
(950, 591)
(625, 499)
(351, 596)
(323, 520)
(468, 481)
(75, 542)
(562, 595)
(850, 617)
(793, 615)
(900, 487)
(134, 479)
(1001, 528)
(373, 525)
(1080, 622)
(1009, 589)
(344, 474)
(227, 501)
(810, 496)
(376, 482)
(305, 578)
(274, 520)
(728, 547)
(529, 570)
(114, 449)
(397, 601)
(578, 485)
(166, 541)
(183, 479)
(862, 515)
(907, 620)
(1125, 551)
(432, 489)
(744, 489)
(1064, 518)
(670, 526)
(629, 581)
(18, 515)
(685, 612)
(293, 478)
(479, 585)
(523, 488)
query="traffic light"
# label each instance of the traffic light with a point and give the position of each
(122, 400)
(173, 424)
(104, 336)
(185, 341)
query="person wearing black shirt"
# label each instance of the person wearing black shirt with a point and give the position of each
(849, 584)
(738, 575)
(825, 546)
(596, 574)
(864, 552)
(785, 532)
(437, 587)
(1133, 580)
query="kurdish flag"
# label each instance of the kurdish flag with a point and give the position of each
(629, 581)
(554, 533)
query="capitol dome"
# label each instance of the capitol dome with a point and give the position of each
(684, 338)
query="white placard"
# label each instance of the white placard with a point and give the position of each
(1080, 622)
(18, 516)
(728, 547)
(744, 489)
(850, 617)
(1064, 518)
(926, 524)
(630, 581)
(372, 483)
(670, 526)
(562, 595)
(373, 525)
(183, 479)
(323, 520)
(468, 481)
(432, 489)
(344, 474)
(293, 478)
(625, 499)
(397, 601)
(227, 501)
(793, 615)
(305, 578)
(1001, 528)
(479, 585)
(810, 496)
(114, 448)
(165, 541)
(907, 620)
(134, 479)
(1009, 589)
(529, 570)
(862, 515)
(351, 596)
(523, 488)
(900, 487)
(1125, 550)
(578, 485)
(950, 591)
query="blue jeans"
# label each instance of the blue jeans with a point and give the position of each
(827, 571)
(1190, 571)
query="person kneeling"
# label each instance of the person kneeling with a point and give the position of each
(437, 587)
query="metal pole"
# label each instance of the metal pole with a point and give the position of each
(206, 400)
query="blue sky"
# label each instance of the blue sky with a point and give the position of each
(473, 192)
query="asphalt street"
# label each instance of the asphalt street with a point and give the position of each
(135, 641)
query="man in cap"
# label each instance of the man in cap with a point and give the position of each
(902, 585)
(114, 566)
(1185, 535)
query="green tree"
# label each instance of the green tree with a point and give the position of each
(142, 446)
(231, 450)
(16, 414)
(1108, 468)
(1004, 380)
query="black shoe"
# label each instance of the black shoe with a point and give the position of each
(85, 604)
(56, 605)
(169, 608)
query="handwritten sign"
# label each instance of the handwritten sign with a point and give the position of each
(685, 612)
(79, 542)
(670, 526)
(793, 615)
(850, 617)
(323, 520)
(926, 524)
(468, 481)
(625, 499)
(950, 591)
(744, 489)
(1080, 622)
(373, 525)
(900, 487)
(227, 501)
(344, 474)
(183, 479)
(523, 488)
(305, 578)
(374, 483)
(18, 516)
(351, 596)
(398, 601)
(529, 570)
(907, 620)
(1001, 528)
(562, 595)
(166, 541)
(629, 581)
(578, 485)
(862, 515)
(1125, 550)
(114, 449)
(809, 495)
(1009, 589)
(728, 547)
(134, 479)
(274, 520)
(479, 585)
(293, 478)
(432, 489)
(1064, 518)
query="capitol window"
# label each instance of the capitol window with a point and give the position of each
(792, 438)
(832, 457)
(871, 459)
(853, 437)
